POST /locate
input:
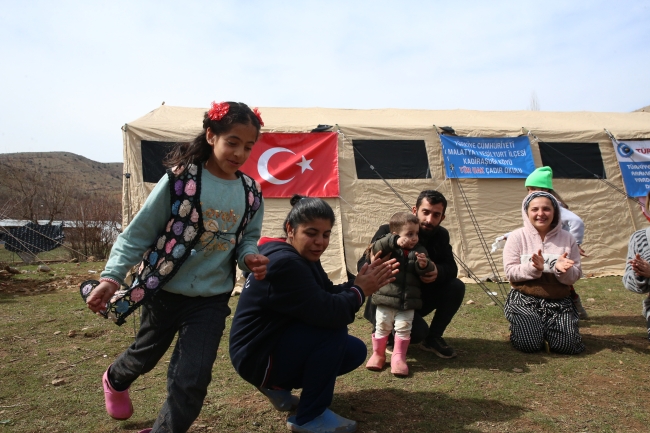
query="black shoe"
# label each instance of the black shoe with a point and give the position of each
(439, 347)
(648, 325)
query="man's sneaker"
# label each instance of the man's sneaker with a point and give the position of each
(648, 325)
(582, 313)
(439, 347)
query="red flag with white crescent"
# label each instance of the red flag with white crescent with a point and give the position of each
(295, 163)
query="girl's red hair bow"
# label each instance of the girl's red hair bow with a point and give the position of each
(218, 111)
(258, 115)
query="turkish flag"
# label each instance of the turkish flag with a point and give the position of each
(302, 163)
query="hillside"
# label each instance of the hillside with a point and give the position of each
(92, 177)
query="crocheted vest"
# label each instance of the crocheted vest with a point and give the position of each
(175, 244)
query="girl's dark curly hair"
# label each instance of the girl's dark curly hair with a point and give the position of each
(199, 150)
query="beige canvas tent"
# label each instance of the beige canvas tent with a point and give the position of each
(364, 204)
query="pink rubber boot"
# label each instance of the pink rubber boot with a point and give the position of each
(378, 358)
(398, 361)
(118, 403)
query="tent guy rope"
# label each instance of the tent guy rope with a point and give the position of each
(468, 271)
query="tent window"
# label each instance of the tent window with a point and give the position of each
(392, 159)
(573, 160)
(153, 153)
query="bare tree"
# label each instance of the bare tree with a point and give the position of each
(33, 192)
(39, 194)
(534, 102)
(56, 196)
(22, 183)
(96, 225)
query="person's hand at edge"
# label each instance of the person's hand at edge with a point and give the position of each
(640, 266)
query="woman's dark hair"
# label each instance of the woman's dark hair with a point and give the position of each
(306, 209)
(199, 150)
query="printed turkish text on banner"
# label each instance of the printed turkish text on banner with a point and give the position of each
(295, 163)
(634, 160)
(472, 157)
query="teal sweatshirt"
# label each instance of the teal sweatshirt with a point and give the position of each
(209, 271)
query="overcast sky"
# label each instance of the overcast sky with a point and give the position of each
(73, 72)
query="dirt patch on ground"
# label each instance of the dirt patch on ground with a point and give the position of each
(27, 287)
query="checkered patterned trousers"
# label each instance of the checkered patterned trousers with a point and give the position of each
(533, 320)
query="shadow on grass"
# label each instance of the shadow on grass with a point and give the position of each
(494, 355)
(407, 411)
(629, 321)
(138, 425)
(475, 353)
(616, 343)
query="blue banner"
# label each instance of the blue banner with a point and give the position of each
(634, 159)
(487, 158)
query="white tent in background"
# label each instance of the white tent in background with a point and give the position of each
(364, 204)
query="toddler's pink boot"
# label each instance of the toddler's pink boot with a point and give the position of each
(118, 403)
(378, 358)
(398, 360)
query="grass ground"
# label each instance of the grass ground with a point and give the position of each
(10, 258)
(53, 352)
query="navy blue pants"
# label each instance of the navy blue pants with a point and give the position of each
(199, 323)
(311, 358)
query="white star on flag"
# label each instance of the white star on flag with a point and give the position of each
(305, 164)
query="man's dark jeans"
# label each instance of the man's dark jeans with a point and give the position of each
(200, 322)
(444, 298)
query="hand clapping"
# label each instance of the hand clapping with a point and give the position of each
(372, 277)
(563, 263)
(640, 266)
(538, 261)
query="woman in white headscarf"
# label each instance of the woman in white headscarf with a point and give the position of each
(541, 262)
